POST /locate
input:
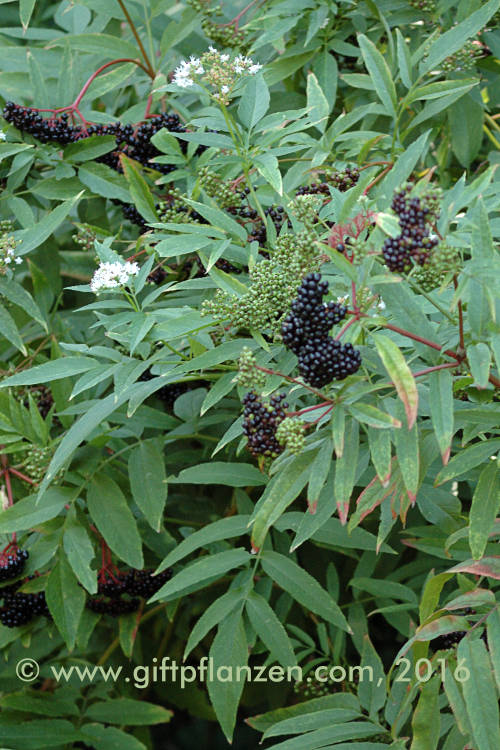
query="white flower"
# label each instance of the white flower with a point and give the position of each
(224, 58)
(254, 68)
(2, 136)
(111, 275)
(225, 89)
(325, 23)
(18, 260)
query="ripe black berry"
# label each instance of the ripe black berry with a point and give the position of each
(142, 582)
(12, 561)
(260, 422)
(414, 242)
(19, 609)
(113, 607)
(305, 331)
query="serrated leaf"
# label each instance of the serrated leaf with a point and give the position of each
(379, 73)
(270, 630)
(65, 600)
(484, 508)
(148, 481)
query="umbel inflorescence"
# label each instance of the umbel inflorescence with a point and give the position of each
(306, 332)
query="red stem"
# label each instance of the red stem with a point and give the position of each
(10, 497)
(346, 326)
(98, 72)
(295, 380)
(22, 476)
(377, 179)
(436, 367)
(432, 344)
(460, 317)
(148, 106)
(236, 20)
(308, 408)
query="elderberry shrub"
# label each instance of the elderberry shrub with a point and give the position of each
(305, 331)
(12, 562)
(260, 422)
(414, 243)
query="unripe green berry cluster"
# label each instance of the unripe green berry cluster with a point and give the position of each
(37, 462)
(427, 6)
(274, 282)
(175, 211)
(290, 433)
(466, 58)
(216, 188)
(444, 262)
(305, 208)
(85, 237)
(249, 376)
(342, 179)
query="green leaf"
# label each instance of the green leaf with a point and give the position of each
(32, 238)
(215, 613)
(128, 712)
(110, 738)
(224, 528)
(65, 600)
(104, 181)
(479, 357)
(373, 417)
(484, 508)
(89, 148)
(400, 373)
(217, 472)
(254, 101)
(200, 571)
(314, 720)
(267, 165)
(480, 694)
(26, 8)
(148, 481)
(319, 473)
(404, 59)
(9, 331)
(379, 73)
(426, 722)
(467, 459)
(112, 516)
(229, 653)
(454, 39)
(303, 588)
(279, 493)
(17, 294)
(55, 370)
(80, 553)
(441, 407)
(317, 103)
(345, 470)
(493, 635)
(31, 735)
(466, 128)
(408, 458)
(139, 190)
(270, 630)
(380, 451)
(326, 71)
(371, 691)
(27, 514)
(404, 166)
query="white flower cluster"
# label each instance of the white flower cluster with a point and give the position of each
(216, 70)
(11, 256)
(7, 247)
(183, 75)
(2, 136)
(111, 275)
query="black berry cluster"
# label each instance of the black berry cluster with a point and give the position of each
(414, 244)
(19, 608)
(120, 593)
(12, 562)
(305, 331)
(260, 422)
(340, 179)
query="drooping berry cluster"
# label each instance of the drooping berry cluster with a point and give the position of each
(19, 609)
(120, 593)
(305, 331)
(414, 243)
(12, 562)
(260, 422)
(170, 393)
